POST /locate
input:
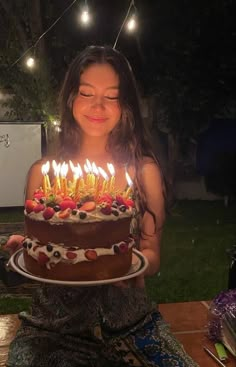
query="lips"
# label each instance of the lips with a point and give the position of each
(96, 119)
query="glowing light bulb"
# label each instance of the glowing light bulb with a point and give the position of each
(85, 17)
(30, 62)
(132, 24)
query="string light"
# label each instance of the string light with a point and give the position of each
(30, 62)
(85, 19)
(43, 34)
(132, 23)
(124, 22)
(85, 16)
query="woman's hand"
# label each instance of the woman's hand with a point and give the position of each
(14, 243)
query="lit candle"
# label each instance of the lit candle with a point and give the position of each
(130, 184)
(46, 181)
(81, 180)
(87, 179)
(75, 176)
(64, 171)
(91, 177)
(96, 179)
(112, 179)
(105, 181)
(57, 184)
(72, 169)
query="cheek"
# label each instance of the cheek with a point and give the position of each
(117, 112)
(77, 107)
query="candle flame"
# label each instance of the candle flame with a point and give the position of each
(72, 166)
(56, 168)
(103, 173)
(88, 164)
(80, 170)
(64, 169)
(86, 168)
(111, 169)
(129, 181)
(45, 168)
(95, 169)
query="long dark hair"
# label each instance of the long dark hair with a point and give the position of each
(129, 142)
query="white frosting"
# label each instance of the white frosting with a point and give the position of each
(80, 254)
(94, 216)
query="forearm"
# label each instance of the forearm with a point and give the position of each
(153, 261)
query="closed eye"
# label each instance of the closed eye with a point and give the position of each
(86, 94)
(112, 98)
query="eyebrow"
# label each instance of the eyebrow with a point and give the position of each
(90, 85)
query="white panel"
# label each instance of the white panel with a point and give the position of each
(15, 161)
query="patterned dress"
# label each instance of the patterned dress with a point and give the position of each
(97, 327)
(102, 326)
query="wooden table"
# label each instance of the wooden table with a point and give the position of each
(188, 322)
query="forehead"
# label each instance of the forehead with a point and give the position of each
(102, 74)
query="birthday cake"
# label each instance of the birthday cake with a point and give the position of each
(78, 230)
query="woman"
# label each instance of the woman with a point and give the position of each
(113, 324)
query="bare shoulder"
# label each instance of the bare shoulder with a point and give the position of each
(150, 171)
(37, 165)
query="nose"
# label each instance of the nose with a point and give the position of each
(98, 102)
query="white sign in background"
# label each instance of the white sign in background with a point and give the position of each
(15, 160)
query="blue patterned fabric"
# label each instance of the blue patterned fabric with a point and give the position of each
(95, 327)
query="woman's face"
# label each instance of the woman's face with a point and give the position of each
(96, 107)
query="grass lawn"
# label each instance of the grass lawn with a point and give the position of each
(194, 259)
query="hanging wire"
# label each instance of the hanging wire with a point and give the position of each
(43, 34)
(124, 21)
(59, 18)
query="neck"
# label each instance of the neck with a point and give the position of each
(94, 147)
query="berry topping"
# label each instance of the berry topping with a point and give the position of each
(56, 254)
(65, 204)
(107, 198)
(57, 208)
(42, 201)
(114, 204)
(24, 244)
(116, 249)
(48, 213)
(79, 204)
(88, 206)
(82, 215)
(122, 208)
(129, 202)
(74, 212)
(29, 245)
(29, 205)
(91, 254)
(120, 200)
(49, 248)
(115, 212)
(39, 208)
(65, 213)
(71, 255)
(67, 198)
(42, 258)
(38, 195)
(106, 210)
(123, 247)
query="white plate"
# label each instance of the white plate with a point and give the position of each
(139, 264)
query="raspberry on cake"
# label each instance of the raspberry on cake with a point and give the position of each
(78, 230)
